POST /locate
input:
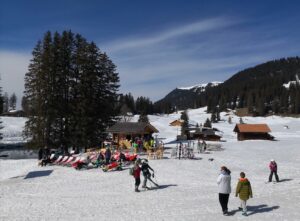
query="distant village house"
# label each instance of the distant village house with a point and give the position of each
(253, 132)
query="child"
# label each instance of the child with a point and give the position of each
(273, 170)
(137, 174)
(244, 191)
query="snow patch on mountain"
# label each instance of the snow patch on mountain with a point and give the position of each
(202, 86)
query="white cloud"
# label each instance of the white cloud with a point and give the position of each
(188, 29)
(13, 66)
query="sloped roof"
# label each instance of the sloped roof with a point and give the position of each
(252, 128)
(176, 123)
(132, 127)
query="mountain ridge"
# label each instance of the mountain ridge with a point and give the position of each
(259, 88)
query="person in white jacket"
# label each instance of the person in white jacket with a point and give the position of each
(224, 185)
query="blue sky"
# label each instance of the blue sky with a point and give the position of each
(156, 45)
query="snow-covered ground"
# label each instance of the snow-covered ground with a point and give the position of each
(12, 129)
(188, 187)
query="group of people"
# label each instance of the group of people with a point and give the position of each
(142, 166)
(243, 187)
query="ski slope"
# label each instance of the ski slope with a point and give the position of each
(188, 187)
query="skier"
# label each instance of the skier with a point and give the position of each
(273, 170)
(244, 191)
(224, 184)
(136, 174)
(146, 173)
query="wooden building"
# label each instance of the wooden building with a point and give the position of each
(123, 132)
(253, 132)
(208, 134)
(176, 123)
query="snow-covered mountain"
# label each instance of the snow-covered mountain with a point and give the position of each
(201, 87)
(186, 97)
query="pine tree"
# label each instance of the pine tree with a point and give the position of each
(71, 91)
(241, 121)
(213, 118)
(5, 102)
(143, 118)
(13, 102)
(218, 116)
(185, 125)
(24, 105)
(207, 123)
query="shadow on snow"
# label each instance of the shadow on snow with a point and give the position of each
(40, 173)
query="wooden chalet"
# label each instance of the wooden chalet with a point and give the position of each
(206, 134)
(123, 132)
(253, 132)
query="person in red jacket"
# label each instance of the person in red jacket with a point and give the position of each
(273, 170)
(137, 175)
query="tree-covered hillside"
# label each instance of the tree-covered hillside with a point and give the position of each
(261, 89)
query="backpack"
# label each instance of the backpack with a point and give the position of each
(131, 171)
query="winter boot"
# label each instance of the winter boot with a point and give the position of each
(136, 189)
(244, 214)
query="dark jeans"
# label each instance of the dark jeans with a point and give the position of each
(271, 176)
(137, 181)
(223, 199)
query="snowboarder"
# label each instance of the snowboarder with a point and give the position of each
(224, 184)
(273, 170)
(136, 174)
(146, 173)
(244, 191)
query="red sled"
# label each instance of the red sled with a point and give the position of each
(131, 157)
(111, 166)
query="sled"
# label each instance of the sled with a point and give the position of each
(112, 166)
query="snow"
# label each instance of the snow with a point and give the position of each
(13, 129)
(287, 85)
(189, 189)
(203, 86)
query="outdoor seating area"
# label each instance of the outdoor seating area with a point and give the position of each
(92, 159)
